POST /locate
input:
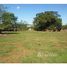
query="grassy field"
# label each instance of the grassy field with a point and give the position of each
(33, 47)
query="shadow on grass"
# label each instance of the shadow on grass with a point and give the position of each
(9, 32)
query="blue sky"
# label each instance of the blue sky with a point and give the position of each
(27, 12)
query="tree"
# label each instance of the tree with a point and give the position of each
(52, 27)
(22, 26)
(58, 24)
(64, 27)
(2, 10)
(44, 20)
(8, 21)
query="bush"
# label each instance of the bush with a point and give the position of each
(64, 27)
(52, 27)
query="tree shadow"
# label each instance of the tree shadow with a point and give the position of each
(9, 32)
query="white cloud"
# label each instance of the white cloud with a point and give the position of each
(18, 7)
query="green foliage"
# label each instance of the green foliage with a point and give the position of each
(64, 27)
(8, 20)
(59, 24)
(52, 27)
(44, 20)
(22, 26)
(2, 10)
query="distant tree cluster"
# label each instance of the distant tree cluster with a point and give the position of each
(8, 21)
(22, 26)
(64, 27)
(47, 20)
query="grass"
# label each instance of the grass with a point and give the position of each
(33, 47)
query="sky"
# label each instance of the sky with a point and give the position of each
(27, 12)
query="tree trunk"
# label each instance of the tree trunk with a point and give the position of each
(0, 31)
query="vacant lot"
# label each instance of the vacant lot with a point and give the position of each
(33, 47)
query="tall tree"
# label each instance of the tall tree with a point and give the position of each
(9, 20)
(44, 20)
(2, 10)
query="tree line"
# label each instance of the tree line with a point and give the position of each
(8, 21)
(48, 20)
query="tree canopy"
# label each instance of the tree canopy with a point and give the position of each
(44, 20)
(7, 19)
(48, 20)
